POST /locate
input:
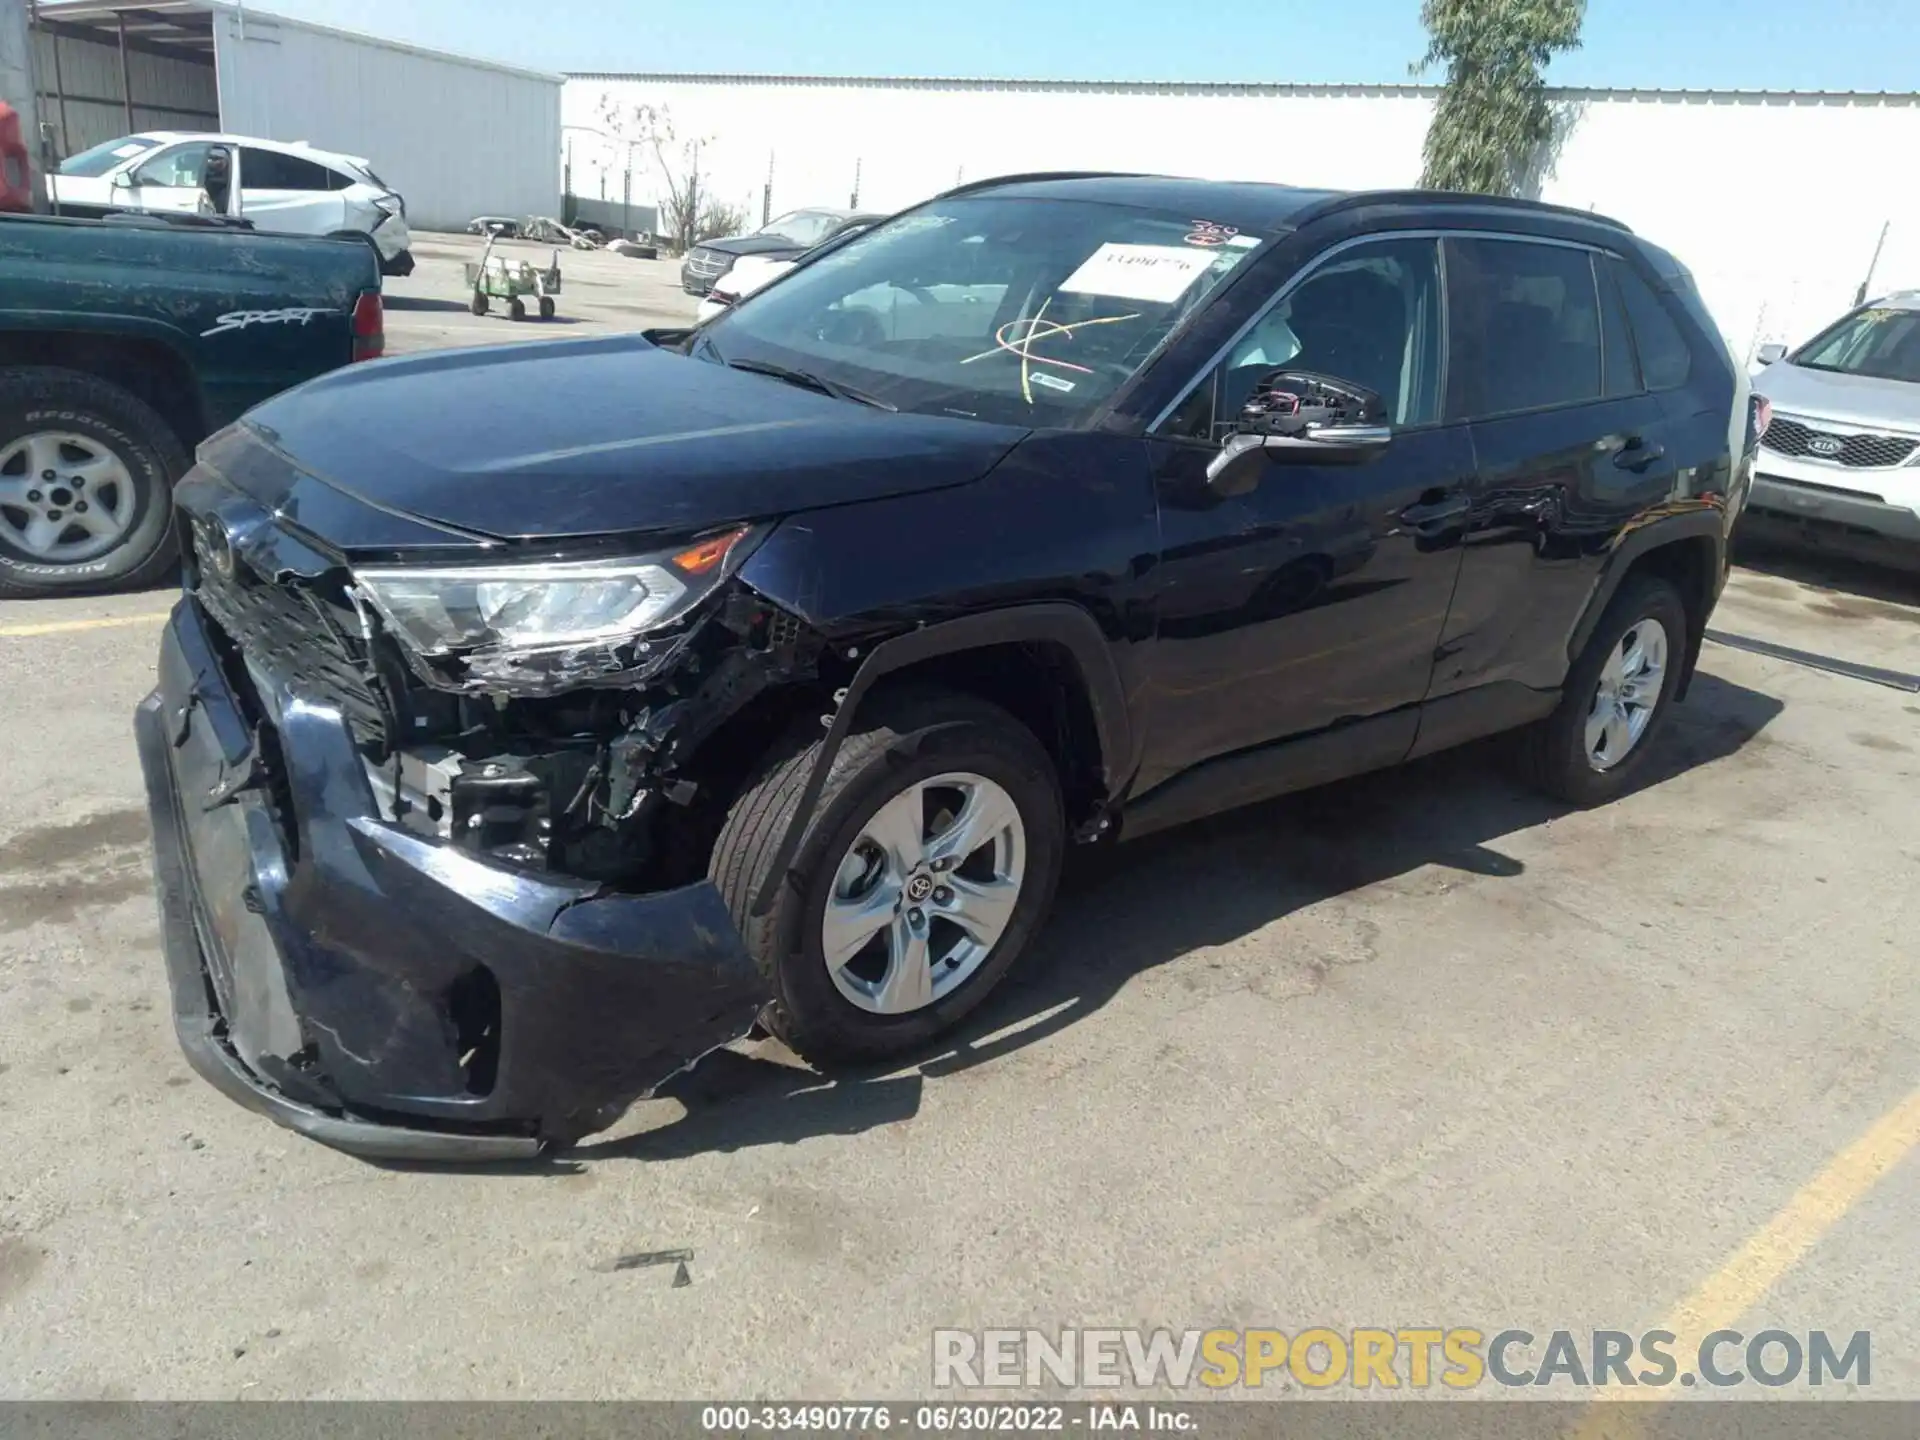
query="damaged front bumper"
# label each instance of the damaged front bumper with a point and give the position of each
(386, 994)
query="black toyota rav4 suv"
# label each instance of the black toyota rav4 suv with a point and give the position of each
(501, 767)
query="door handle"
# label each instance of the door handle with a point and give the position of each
(1436, 511)
(1638, 454)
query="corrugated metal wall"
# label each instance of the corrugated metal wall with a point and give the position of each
(1774, 201)
(458, 139)
(168, 94)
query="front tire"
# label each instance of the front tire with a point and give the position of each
(1616, 699)
(86, 483)
(929, 863)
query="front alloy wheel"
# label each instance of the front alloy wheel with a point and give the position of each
(1631, 686)
(919, 879)
(924, 893)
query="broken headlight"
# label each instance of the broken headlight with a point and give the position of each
(532, 628)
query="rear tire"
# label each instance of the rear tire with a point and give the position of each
(517, 308)
(546, 307)
(86, 431)
(478, 305)
(905, 744)
(1594, 744)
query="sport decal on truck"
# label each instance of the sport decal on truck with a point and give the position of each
(241, 319)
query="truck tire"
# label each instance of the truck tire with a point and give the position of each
(86, 485)
(941, 756)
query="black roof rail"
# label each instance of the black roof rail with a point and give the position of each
(1034, 176)
(1459, 198)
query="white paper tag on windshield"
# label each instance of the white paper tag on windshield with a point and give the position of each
(128, 151)
(1158, 273)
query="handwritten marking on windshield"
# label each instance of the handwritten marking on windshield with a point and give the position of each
(241, 319)
(1018, 337)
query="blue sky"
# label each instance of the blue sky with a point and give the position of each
(1722, 44)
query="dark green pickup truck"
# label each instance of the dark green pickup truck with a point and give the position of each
(123, 344)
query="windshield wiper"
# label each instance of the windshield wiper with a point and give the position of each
(807, 380)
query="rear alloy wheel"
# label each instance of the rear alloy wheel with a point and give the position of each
(1632, 685)
(926, 867)
(1617, 695)
(86, 478)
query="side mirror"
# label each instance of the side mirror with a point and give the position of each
(1299, 417)
(123, 180)
(1768, 354)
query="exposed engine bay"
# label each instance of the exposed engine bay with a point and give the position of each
(600, 763)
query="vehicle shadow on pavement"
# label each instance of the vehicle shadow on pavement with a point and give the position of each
(1767, 555)
(420, 302)
(1125, 911)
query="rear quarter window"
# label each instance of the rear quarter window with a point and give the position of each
(1666, 360)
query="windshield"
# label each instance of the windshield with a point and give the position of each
(109, 156)
(803, 227)
(1882, 344)
(1020, 311)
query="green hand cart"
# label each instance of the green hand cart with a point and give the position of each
(502, 277)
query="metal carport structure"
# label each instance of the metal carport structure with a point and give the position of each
(457, 136)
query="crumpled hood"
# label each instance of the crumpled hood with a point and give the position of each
(1850, 399)
(605, 436)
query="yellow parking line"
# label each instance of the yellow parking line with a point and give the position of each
(66, 627)
(1768, 1254)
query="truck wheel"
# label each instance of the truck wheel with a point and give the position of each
(1616, 699)
(86, 485)
(928, 865)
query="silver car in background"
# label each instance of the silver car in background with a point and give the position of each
(1839, 465)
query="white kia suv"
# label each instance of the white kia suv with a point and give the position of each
(1839, 465)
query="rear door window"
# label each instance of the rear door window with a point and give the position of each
(1530, 336)
(271, 170)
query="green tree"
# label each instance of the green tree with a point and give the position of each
(1493, 117)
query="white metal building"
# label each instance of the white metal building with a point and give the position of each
(458, 137)
(1775, 200)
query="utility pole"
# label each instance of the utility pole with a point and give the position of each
(18, 89)
(1860, 295)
